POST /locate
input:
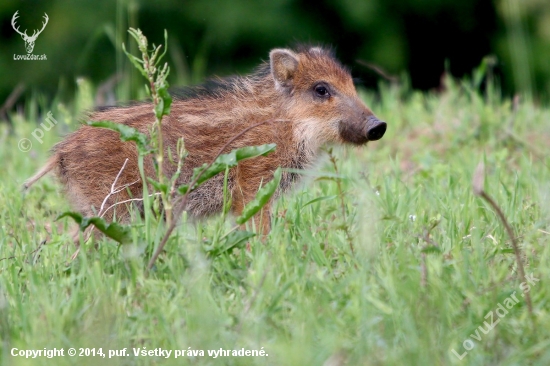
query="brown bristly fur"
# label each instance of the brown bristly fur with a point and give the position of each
(284, 92)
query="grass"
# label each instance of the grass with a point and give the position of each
(430, 260)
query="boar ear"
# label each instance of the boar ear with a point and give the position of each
(284, 64)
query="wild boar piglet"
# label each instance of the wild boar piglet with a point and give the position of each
(306, 96)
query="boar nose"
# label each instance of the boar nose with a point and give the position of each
(375, 128)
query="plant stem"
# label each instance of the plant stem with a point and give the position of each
(478, 190)
(181, 205)
(342, 203)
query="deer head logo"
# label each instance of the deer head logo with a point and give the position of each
(29, 41)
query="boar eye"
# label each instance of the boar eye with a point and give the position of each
(321, 91)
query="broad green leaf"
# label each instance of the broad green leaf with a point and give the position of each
(225, 161)
(127, 133)
(233, 240)
(113, 230)
(161, 187)
(262, 197)
(163, 108)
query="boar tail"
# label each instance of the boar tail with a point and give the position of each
(50, 164)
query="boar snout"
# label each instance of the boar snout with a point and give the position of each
(363, 130)
(375, 128)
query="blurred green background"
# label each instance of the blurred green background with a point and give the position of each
(378, 39)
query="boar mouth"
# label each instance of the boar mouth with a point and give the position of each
(360, 133)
